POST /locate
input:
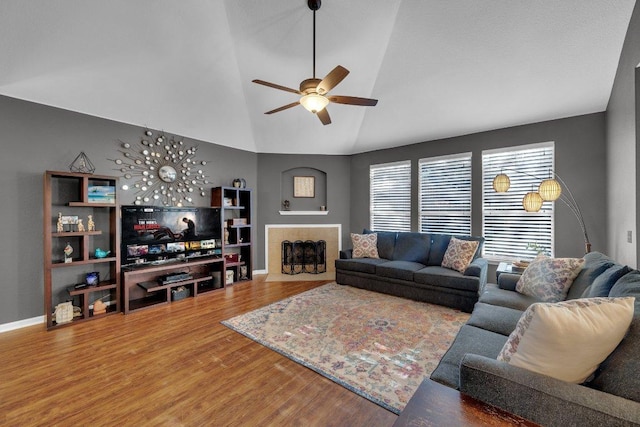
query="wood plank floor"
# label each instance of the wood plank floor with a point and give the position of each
(172, 365)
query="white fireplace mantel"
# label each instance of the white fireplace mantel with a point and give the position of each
(303, 212)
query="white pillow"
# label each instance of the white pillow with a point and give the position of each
(568, 340)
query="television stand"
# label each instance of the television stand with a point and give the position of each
(142, 289)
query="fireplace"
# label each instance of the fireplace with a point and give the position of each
(304, 257)
(275, 234)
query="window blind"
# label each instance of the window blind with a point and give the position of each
(390, 196)
(507, 228)
(445, 194)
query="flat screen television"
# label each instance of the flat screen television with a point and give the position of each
(152, 234)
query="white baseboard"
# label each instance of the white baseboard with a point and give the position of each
(6, 327)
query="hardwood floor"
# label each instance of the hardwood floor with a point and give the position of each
(172, 365)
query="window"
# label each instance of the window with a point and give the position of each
(390, 196)
(506, 227)
(445, 194)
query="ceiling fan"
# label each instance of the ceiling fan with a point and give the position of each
(314, 91)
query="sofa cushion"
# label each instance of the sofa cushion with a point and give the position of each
(446, 278)
(412, 247)
(365, 245)
(618, 374)
(398, 269)
(386, 242)
(459, 254)
(567, 340)
(501, 320)
(439, 245)
(504, 298)
(549, 279)
(363, 265)
(469, 340)
(595, 263)
(602, 284)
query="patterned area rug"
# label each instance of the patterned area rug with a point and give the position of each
(376, 345)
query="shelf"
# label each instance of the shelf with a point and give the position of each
(176, 263)
(82, 262)
(304, 212)
(76, 233)
(147, 302)
(237, 245)
(239, 226)
(66, 192)
(89, 289)
(234, 264)
(91, 205)
(148, 286)
(110, 310)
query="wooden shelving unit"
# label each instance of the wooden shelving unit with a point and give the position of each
(235, 213)
(68, 193)
(142, 288)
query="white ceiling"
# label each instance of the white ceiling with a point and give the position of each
(439, 68)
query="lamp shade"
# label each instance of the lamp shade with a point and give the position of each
(501, 183)
(532, 202)
(550, 189)
(314, 102)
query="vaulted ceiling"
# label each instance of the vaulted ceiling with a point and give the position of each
(438, 68)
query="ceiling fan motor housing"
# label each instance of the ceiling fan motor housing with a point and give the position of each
(309, 86)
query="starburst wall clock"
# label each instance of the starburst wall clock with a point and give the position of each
(162, 169)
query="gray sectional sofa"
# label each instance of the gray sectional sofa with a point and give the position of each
(409, 266)
(611, 398)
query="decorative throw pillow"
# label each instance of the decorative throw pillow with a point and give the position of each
(459, 254)
(568, 340)
(549, 279)
(365, 245)
(604, 282)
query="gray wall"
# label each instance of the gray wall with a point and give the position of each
(623, 156)
(580, 150)
(36, 138)
(270, 169)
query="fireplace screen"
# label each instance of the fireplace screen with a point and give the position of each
(304, 257)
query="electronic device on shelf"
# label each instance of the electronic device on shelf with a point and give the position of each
(174, 277)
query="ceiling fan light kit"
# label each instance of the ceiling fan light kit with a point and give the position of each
(314, 102)
(313, 91)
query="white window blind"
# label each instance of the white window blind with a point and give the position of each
(507, 228)
(445, 194)
(390, 196)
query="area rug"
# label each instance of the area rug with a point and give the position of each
(378, 346)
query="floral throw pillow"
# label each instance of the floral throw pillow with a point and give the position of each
(568, 340)
(365, 245)
(549, 279)
(459, 254)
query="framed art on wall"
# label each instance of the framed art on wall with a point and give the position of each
(304, 186)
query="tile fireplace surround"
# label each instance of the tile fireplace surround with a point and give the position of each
(275, 234)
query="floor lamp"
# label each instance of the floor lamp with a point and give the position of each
(550, 189)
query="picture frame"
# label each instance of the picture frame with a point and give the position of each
(69, 219)
(304, 186)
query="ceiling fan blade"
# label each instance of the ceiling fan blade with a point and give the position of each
(323, 115)
(284, 107)
(332, 79)
(275, 86)
(353, 100)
